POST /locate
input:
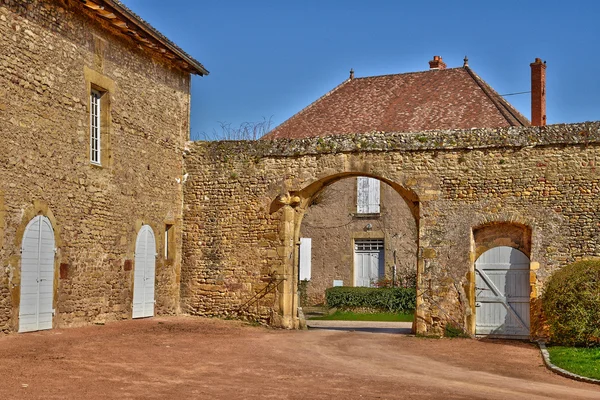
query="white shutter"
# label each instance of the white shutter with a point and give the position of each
(368, 197)
(30, 257)
(305, 258)
(362, 195)
(374, 190)
(46, 275)
(139, 274)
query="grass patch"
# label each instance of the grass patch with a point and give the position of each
(354, 316)
(579, 360)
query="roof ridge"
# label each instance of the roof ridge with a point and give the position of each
(408, 73)
(503, 106)
(307, 107)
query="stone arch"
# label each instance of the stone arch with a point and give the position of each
(302, 198)
(37, 207)
(496, 231)
(293, 205)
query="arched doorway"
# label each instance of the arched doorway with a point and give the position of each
(293, 206)
(37, 276)
(502, 292)
(358, 231)
(144, 273)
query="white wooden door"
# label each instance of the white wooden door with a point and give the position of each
(502, 293)
(368, 261)
(37, 276)
(144, 273)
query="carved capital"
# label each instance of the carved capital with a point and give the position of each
(288, 200)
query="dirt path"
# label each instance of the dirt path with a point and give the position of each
(188, 358)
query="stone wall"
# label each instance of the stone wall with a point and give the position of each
(244, 202)
(332, 223)
(51, 54)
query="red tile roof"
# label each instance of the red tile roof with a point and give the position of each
(454, 98)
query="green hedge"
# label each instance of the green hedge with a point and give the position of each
(571, 303)
(399, 300)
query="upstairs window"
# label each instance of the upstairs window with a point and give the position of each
(95, 126)
(368, 195)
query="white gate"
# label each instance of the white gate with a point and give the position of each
(502, 293)
(144, 273)
(37, 276)
(368, 261)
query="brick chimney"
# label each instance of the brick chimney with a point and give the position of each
(538, 92)
(437, 63)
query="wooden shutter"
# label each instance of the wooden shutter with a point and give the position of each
(362, 195)
(368, 195)
(305, 258)
(374, 190)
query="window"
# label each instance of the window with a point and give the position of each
(95, 126)
(99, 89)
(367, 199)
(169, 241)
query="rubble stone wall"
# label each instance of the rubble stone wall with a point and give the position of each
(542, 180)
(51, 54)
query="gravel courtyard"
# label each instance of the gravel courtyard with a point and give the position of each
(195, 358)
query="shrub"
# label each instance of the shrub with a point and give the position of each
(398, 300)
(571, 304)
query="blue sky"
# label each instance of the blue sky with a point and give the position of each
(269, 59)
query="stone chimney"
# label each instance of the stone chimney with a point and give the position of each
(538, 92)
(437, 63)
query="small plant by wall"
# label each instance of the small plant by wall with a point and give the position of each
(571, 303)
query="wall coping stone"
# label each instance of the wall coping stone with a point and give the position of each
(584, 133)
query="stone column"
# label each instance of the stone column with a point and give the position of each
(287, 303)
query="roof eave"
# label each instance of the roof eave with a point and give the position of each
(196, 67)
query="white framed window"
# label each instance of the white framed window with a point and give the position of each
(95, 126)
(368, 195)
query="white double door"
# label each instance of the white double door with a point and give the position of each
(502, 291)
(37, 276)
(144, 273)
(368, 261)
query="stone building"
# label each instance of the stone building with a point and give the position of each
(108, 212)
(359, 232)
(94, 118)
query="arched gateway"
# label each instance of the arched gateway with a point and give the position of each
(293, 206)
(502, 291)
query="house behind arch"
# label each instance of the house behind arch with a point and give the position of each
(357, 222)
